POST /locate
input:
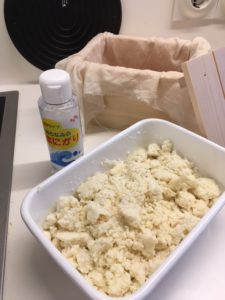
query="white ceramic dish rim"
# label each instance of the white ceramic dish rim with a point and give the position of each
(155, 278)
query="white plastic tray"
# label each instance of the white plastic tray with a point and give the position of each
(208, 156)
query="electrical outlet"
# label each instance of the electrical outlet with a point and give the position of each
(198, 9)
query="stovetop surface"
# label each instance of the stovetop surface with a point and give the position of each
(8, 118)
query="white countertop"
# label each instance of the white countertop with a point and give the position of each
(31, 274)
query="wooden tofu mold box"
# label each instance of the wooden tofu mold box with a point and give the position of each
(127, 79)
(207, 156)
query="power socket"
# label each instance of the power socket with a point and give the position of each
(198, 9)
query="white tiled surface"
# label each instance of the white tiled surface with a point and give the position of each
(32, 275)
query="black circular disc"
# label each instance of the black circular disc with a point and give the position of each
(46, 31)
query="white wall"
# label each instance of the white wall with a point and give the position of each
(13, 67)
(154, 18)
(140, 18)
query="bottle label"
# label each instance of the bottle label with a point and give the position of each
(60, 138)
(65, 144)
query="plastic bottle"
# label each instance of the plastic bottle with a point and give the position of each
(60, 117)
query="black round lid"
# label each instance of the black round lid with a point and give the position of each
(46, 31)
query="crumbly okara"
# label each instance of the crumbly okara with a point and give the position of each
(120, 225)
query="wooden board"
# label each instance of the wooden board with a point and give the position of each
(205, 79)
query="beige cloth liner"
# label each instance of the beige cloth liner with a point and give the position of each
(120, 80)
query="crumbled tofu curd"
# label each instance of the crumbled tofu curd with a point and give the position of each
(120, 225)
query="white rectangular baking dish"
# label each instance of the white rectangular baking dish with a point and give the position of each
(208, 156)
